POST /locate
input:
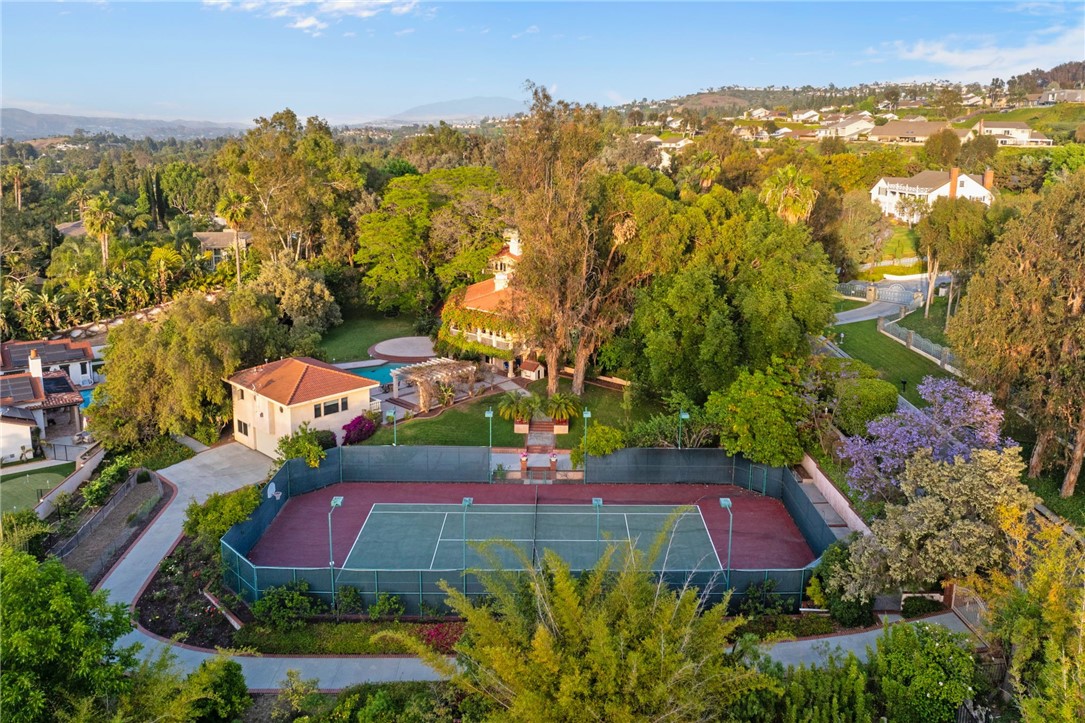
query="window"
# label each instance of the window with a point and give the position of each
(280, 410)
(316, 411)
(331, 407)
(242, 428)
(960, 184)
(83, 368)
(343, 404)
(240, 393)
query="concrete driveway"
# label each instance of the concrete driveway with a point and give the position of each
(870, 311)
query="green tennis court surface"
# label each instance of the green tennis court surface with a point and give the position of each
(431, 536)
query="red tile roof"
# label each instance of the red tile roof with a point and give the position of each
(299, 379)
(16, 354)
(484, 296)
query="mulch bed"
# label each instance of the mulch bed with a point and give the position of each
(173, 603)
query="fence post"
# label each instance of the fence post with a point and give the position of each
(881, 323)
(910, 338)
(943, 357)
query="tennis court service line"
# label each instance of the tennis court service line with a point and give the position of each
(711, 541)
(437, 545)
(359, 536)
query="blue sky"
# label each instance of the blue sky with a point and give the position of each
(355, 60)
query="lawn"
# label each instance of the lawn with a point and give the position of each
(20, 490)
(901, 245)
(847, 305)
(895, 361)
(350, 341)
(933, 328)
(465, 424)
(879, 272)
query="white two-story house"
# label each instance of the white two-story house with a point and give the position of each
(930, 186)
(272, 400)
(1012, 133)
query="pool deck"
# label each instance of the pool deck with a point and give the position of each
(408, 349)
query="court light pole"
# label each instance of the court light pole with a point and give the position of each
(682, 414)
(490, 449)
(584, 444)
(467, 502)
(725, 503)
(597, 503)
(395, 437)
(336, 502)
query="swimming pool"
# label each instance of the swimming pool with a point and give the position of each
(85, 393)
(381, 374)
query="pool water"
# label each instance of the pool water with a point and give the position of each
(85, 393)
(381, 374)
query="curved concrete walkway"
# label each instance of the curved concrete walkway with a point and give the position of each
(232, 466)
(222, 469)
(865, 313)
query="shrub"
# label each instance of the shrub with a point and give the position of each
(207, 522)
(921, 673)
(601, 441)
(835, 691)
(221, 695)
(914, 607)
(143, 477)
(359, 429)
(326, 439)
(160, 452)
(348, 601)
(286, 607)
(387, 606)
(98, 490)
(849, 613)
(762, 599)
(24, 530)
(862, 400)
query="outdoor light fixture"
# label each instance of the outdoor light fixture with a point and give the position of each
(725, 503)
(490, 449)
(337, 501)
(683, 414)
(467, 502)
(395, 436)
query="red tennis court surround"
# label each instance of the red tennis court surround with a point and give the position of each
(765, 536)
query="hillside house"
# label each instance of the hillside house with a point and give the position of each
(849, 127)
(272, 400)
(1050, 97)
(1012, 133)
(930, 186)
(74, 358)
(806, 116)
(47, 398)
(915, 131)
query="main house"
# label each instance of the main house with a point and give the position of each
(1012, 133)
(478, 319)
(930, 186)
(273, 400)
(36, 404)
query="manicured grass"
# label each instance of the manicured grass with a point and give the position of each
(1070, 508)
(19, 490)
(901, 245)
(605, 406)
(895, 361)
(350, 341)
(847, 305)
(463, 425)
(932, 328)
(879, 272)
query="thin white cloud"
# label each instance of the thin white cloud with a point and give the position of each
(1036, 8)
(313, 16)
(967, 59)
(616, 97)
(527, 31)
(404, 31)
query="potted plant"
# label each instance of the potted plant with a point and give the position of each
(562, 407)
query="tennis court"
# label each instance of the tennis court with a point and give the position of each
(431, 537)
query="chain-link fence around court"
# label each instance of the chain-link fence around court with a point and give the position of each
(420, 590)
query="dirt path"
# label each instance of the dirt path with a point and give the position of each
(90, 558)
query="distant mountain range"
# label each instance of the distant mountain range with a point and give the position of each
(22, 125)
(463, 110)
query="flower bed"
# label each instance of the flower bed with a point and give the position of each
(348, 638)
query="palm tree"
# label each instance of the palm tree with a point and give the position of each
(562, 407)
(789, 194)
(102, 221)
(508, 406)
(704, 168)
(235, 208)
(165, 261)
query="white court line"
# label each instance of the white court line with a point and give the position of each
(628, 534)
(476, 512)
(367, 518)
(711, 542)
(437, 545)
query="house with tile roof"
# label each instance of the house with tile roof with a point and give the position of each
(930, 186)
(273, 400)
(849, 127)
(220, 244)
(1012, 133)
(47, 398)
(479, 319)
(74, 357)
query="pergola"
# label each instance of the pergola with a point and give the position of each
(432, 376)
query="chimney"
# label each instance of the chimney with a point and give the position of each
(501, 281)
(989, 179)
(35, 364)
(513, 237)
(954, 175)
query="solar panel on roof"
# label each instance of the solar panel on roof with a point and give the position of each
(56, 385)
(19, 389)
